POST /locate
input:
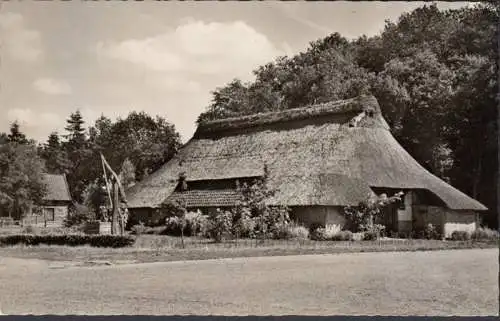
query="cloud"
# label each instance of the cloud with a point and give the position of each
(19, 42)
(35, 124)
(199, 47)
(52, 86)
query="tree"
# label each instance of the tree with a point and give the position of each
(178, 210)
(416, 94)
(230, 100)
(56, 159)
(21, 178)
(127, 173)
(77, 148)
(16, 136)
(146, 141)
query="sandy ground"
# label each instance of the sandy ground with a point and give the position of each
(456, 282)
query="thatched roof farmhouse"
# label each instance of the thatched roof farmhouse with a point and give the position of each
(319, 159)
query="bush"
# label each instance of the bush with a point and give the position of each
(245, 225)
(460, 236)
(157, 230)
(78, 214)
(484, 234)
(195, 224)
(114, 241)
(370, 236)
(373, 232)
(343, 236)
(139, 229)
(331, 233)
(220, 226)
(30, 229)
(291, 231)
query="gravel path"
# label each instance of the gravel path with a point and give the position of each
(457, 282)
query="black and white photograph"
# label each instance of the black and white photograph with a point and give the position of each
(257, 158)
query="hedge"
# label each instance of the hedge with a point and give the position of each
(114, 241)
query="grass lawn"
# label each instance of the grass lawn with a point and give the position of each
(154, 248)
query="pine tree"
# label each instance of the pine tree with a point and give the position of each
(16, 136)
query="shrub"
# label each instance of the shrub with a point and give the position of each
(370, 236)
(114, 241)
(431, 232)
(220, 225)
(138, 229)
(78, 214)
(318, 234)
(460, 236)
(358, 236)
(243, 224)
(157, 230)
(484, 234)
(291, 231)
(30, 229)
(343, 236)
(194, 224)
(373, 232)
(331, 233)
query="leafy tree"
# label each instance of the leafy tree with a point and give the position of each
(416, 94)
(127, 173)
(178, 210)
(146, 141)
(21, 178)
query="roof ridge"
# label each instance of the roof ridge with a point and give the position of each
(356, 104)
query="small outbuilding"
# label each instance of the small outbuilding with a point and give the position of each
(319, 159)
(54, 207)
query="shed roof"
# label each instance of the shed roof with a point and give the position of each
(57, 188)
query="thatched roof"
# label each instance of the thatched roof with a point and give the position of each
(57, 188)
(315, 155)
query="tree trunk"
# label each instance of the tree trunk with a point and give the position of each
(115, 209)
(477, 177)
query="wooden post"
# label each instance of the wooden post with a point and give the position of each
(115, 209)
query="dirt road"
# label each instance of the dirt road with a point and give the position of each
(457, 282)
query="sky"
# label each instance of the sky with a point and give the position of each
(164, 58)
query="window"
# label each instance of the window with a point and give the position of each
(49, 214)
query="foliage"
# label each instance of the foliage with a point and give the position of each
(244, 224)
(56, 158)
(330, 233)
(127, 173)
(78, 215)
(373, 232)
(21, 178)
(362, 217)
(220, 225)
(252, 210)
(431, 232)
(291, 231)
(460, 236)
(114, 241)
(195, 224)
(484, 234)
(16, 136)
(138, 229)
(343, 236)
(30, 229)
